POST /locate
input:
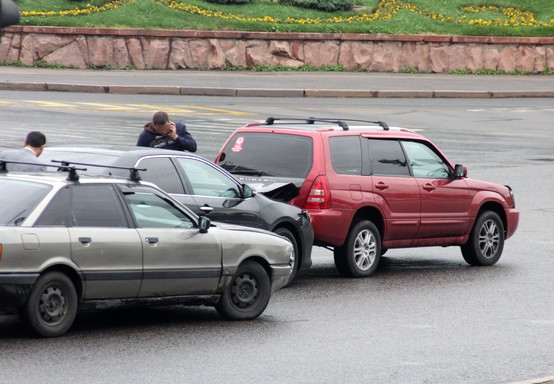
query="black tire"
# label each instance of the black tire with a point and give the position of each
(360, 254)
(486, 240)
(52, 305)
(248, 294)
(296, 260)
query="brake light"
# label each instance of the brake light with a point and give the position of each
(319, 196)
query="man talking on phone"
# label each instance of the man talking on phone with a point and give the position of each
(161, 132)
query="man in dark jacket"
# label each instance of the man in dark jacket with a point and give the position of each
(164, 133)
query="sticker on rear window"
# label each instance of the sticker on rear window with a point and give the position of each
(237, 147)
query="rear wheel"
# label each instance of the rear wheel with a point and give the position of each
(486, 240)
(52, 305)
(295, 262)
(248, 294)
(360, 254)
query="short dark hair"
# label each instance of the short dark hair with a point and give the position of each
(160, 118)
(35, 139)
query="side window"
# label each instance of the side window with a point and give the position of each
(425, 162)
(96, 206)
(57, 212)
(346, 155)
(160, 171)
(387, 158)
(153, 211)
(207, 180)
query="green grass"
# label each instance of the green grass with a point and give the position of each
(414, 16)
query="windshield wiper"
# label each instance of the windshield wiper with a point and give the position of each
(239, 169)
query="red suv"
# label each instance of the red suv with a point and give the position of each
(371, 188)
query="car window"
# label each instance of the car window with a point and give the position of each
(267, 154)
(57, 212)
(387, 158)
(346, 154)
(162, 172)
(153, 211)
(424, 161)
(207, 180)
(96, 206)
(19, 198)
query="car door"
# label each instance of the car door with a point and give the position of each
(396, 191)
(213, 188)
(445, 201)
(104, 246)
(178, 259)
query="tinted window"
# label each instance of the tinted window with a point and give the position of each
(96, 206)
(387, 158)
(207, 180)
(19, 198)
(57, 212)
(153, 211)
(424, 161)
(162, 172)
(346, 155)
(268, 154)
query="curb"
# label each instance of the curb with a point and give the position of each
(254, 92)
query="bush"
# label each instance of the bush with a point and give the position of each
(229, 1)
(322, 5)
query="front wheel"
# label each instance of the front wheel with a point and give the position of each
(248, 294)
(52, 305)
(360, 254)
(486, 240)
(295, 262)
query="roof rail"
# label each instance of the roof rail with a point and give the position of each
(340, 122)
(133, 171)
(72, 176)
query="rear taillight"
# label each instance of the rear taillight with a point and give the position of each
(319, 196)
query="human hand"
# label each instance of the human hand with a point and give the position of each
(173, 131)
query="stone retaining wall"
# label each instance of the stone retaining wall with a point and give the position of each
(184, 49)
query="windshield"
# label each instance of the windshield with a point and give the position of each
(19, 198)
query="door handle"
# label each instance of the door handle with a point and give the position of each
(381, 186)
(152, 240)
(429, 187)
(85, 240)
(206, 209)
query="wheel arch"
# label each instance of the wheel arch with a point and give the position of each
(69, 272)
(289, 226)
(260, 260)
(496, 208)
(372, 214)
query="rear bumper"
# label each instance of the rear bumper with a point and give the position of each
(15, 289)
(307, 237)
(330, 226)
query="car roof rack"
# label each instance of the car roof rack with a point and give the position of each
(340, 122)
(134, 174)
(72, 176)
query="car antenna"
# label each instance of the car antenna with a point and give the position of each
(133, 171)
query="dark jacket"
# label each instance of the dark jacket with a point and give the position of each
(184, 141)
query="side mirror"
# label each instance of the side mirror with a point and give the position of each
(460, 171)
(203, 224)
(247, 191)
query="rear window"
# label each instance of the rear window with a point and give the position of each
(268, 154)
(19, 198)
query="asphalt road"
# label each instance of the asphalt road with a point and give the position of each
(425, 317)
